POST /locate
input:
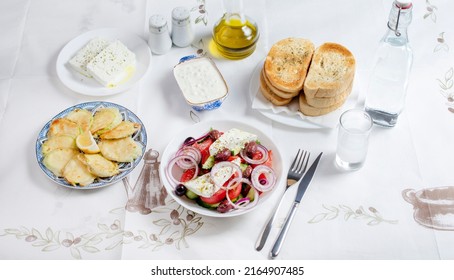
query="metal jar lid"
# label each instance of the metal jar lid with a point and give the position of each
(180, 16)
(157, 24)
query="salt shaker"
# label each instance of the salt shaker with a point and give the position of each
(182, 34)
(159, 38)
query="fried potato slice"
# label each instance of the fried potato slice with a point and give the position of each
(120, 150)
(58, 142)
(82, 117)
(99, 165)
(57, 159)
(105, 119)
(124, 129)
(77, 173)
(63, 127)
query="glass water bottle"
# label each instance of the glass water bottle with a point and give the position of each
(235, 34)
(385, 98)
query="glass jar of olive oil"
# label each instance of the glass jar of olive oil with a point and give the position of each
(235, 34)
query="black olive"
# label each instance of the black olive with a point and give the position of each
(223, 155)
(247, 172)
(180, 190)
(189, 140)
(214, 134)
(224, 206)
(250, 148)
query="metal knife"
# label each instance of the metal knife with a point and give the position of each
(299, 195)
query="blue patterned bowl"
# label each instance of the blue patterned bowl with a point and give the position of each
(125, 168)
(201, 83)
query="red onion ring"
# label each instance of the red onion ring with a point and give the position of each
(261, 149)
(269, 175)
(235, 169)
(239, 204)
(174, 162)
(188, 151)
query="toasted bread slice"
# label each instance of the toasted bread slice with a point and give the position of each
(287, 63)
(269, 95)
(331, 72)
(276, 91)
(324, 102)
(309, 110)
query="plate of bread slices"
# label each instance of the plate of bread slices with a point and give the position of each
(91, 145)
(301, 85)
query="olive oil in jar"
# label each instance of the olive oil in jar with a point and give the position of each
(235, 35)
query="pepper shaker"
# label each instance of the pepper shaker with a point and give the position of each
(182, 34)
(159, 38)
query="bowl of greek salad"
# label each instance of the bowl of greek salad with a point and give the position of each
(221, 168)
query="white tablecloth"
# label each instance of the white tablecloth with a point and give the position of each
(343, 215)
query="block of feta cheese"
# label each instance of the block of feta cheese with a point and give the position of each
(113, 65)
(86, 54)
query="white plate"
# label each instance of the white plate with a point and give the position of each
(125, 167)
(289, 115)
(89, 86)
(198, 130)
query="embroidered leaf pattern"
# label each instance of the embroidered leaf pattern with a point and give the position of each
(446, 88)
(371, 214)
(430, 11)
(172, 231)
(441, 46)
(203, 14)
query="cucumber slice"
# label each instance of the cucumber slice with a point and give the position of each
(251, 195)
(207, 205)
(208, 163)
(191, 195)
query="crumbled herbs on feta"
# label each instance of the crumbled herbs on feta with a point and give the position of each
(234, 139)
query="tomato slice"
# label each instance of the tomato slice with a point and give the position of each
(268, 162)
(204, 148)
(215, 198)
(236, 191)
(187, 175)
(204, 145)
(221, 194)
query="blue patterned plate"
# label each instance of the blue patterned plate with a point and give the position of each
(125, 168)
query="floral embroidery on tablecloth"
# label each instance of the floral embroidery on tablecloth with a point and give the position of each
(441, 43)
(446, 88)
(174, 224)
(203, 14)
(431, 12)
(371, 215)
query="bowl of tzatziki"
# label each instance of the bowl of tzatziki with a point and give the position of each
(201, 83)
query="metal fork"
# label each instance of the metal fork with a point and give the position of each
(295, 173)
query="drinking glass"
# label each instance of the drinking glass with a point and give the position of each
(353, 139)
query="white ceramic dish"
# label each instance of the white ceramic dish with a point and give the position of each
(290, 115)
(199, 80)
(89, 86)
(125, 168)
(200, 129)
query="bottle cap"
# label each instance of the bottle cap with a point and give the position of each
(404, 4)
(180, 16)
(157, 24)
